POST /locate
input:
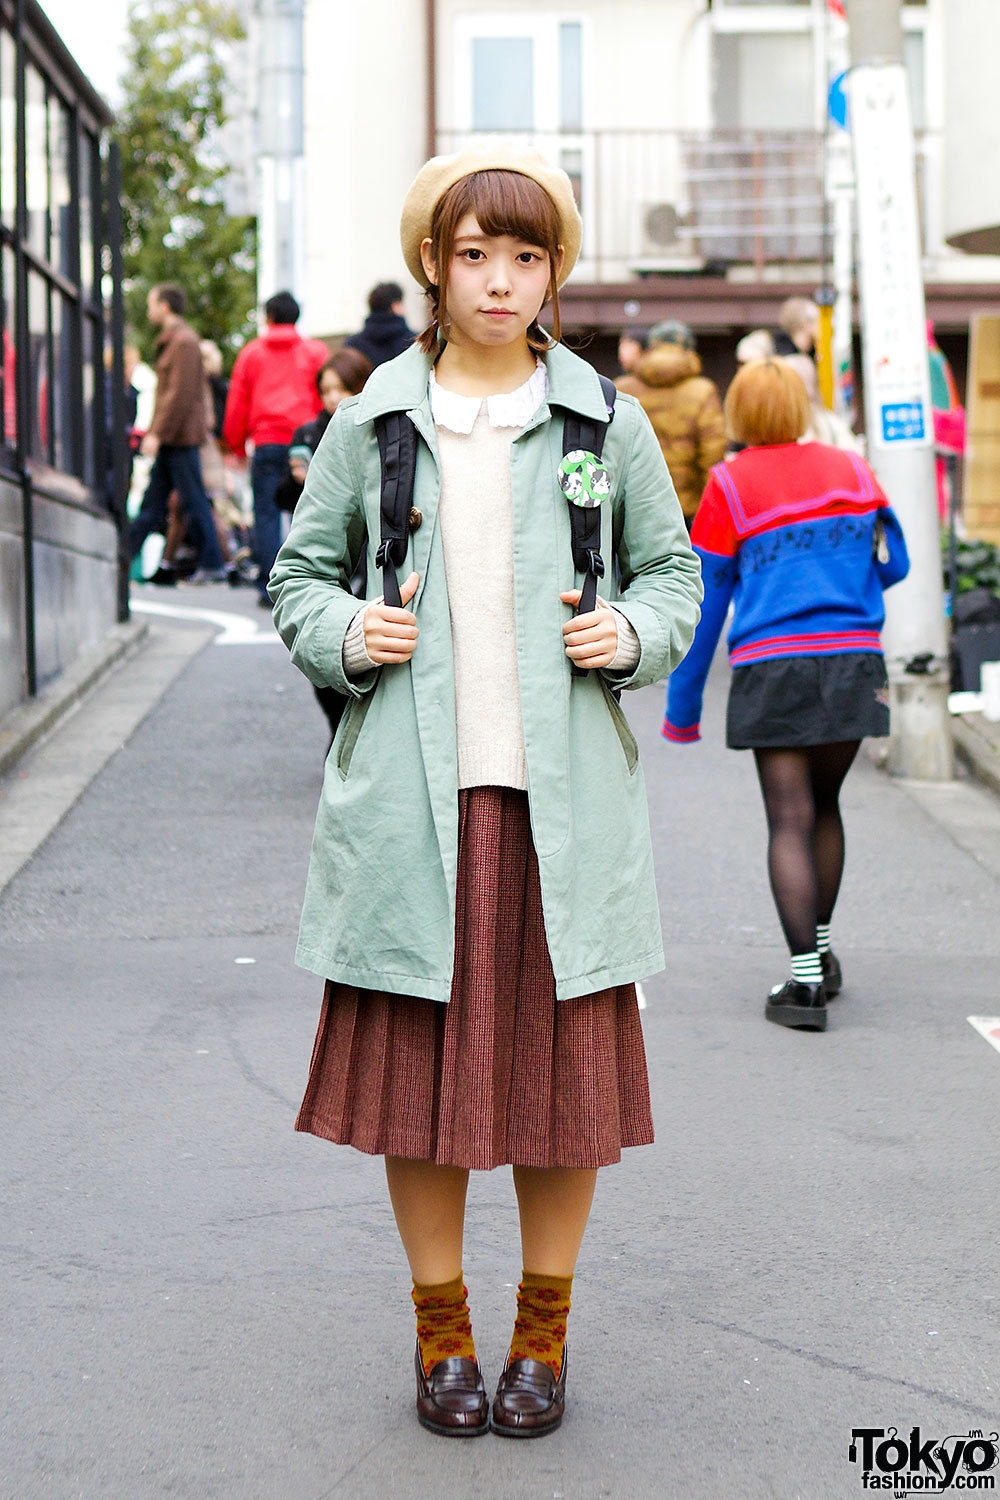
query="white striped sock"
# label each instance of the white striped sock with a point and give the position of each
(806, 968)
(823, 937)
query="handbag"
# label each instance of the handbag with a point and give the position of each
(880, 542)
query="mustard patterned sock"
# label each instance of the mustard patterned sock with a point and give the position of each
(444, 1329)
(540, 1327)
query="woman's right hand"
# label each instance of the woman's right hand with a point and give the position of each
(391, 634)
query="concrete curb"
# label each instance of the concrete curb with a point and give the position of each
(978, 750)
(36, 797)
(24, 726)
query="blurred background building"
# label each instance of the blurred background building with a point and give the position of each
(698, 132)
(704, 138)
(60, 516)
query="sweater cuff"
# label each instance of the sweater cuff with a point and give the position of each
(626, 658)
(678, 736)
(353, 654)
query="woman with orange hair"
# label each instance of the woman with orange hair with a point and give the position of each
(801, 538)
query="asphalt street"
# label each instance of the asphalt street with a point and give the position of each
(200, 1304)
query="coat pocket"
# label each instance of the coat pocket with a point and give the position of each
(354, 717)
(622, 729)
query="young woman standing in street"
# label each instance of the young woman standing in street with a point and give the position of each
(480, 896)
(801, 538)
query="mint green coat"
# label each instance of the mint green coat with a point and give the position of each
(379, 907)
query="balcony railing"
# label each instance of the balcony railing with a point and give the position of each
(661, 200)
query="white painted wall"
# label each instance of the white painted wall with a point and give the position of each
(364, 143)
(971, 49)
(647, 66)
(635, 57)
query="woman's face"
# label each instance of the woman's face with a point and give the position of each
(332, 391)
(496, 285)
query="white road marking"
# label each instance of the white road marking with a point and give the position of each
(640, 995)
(236, 630)
(988, 1028)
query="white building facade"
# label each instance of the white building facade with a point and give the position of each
(698, 133)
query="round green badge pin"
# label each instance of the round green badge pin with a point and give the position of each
(584, 480)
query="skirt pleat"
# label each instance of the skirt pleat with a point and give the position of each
(504, 1073)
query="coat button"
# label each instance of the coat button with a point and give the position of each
(415, 518)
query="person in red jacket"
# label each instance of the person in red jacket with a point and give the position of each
(272, 392)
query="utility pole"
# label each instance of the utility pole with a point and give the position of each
(280, 147)
(897, 386)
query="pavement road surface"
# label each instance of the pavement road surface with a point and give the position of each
(200, 1304)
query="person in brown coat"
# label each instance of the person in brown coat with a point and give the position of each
(175, 436)
(684, 408)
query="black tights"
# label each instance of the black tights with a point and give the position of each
(805, 847)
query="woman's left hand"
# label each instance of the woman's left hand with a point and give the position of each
(591, 640)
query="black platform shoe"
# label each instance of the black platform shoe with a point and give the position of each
(799, 1005)
(452, 1399)
(832, 977)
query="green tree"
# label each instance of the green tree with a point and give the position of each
(175, 223)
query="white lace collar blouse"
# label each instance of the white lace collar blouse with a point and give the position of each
(511, 409)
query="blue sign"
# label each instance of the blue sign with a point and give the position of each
(903, 422)
(837, 101)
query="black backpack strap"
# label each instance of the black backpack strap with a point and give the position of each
(397, 447)
(585, 525)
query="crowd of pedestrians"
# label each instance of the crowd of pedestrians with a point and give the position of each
(283, 390)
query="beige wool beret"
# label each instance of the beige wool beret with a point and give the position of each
(442, 172)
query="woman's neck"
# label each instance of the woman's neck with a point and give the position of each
(472, 370)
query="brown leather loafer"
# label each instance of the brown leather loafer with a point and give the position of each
(452, 1399)
(530, 1401)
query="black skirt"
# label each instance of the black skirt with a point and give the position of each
(793, 701)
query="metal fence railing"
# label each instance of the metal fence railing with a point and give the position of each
(676, 199)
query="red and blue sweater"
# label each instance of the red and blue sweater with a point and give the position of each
(787, 534)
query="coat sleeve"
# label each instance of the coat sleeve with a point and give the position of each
(234, 424)
(660, 576)
(717, 546)
(310, 583)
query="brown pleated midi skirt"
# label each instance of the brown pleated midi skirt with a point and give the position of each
(504, 1073)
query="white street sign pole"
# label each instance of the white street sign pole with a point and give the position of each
(897, 386)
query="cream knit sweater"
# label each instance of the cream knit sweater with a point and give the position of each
(475, 516)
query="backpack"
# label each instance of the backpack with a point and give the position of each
(397, 446)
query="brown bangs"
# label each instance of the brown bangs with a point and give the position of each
(503, 203)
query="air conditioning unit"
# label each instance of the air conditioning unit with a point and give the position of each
(657, 241)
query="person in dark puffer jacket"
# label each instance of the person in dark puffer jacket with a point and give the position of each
(386, 332)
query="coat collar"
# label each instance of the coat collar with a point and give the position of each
(281, 333)
(401, 385)
(167, 335)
